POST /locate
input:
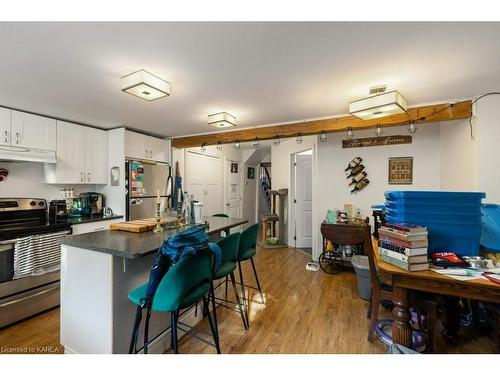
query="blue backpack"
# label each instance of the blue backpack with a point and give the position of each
(190, 241)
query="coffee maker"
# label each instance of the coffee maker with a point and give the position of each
(93, 203)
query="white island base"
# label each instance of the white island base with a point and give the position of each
(96, 315)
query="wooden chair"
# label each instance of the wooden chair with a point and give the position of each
(382, 293)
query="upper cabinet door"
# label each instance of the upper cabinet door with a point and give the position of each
(96, 156)
(32, 131)
(158, 149)
(135, 146)
(70, 167)
(5, 126)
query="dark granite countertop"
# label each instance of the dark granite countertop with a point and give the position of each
(89, 219)
(136, 245)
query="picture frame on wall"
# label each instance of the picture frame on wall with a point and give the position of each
(400, 171)
(251, 173)
(234, 167)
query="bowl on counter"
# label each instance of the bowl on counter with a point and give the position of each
(272, 240)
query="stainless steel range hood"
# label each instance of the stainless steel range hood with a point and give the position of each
(21, 154)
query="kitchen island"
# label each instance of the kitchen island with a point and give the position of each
(98, 270)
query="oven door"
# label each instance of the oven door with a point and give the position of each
(28, 303)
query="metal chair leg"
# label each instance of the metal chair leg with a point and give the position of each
(257, 280)
(146, 330)
(135, 331)
(173, 331)
(225, 293)
(243, 295)
(240, 306)
(212, 298)
(215, 334)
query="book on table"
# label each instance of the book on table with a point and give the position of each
(405, 265)
(404, 243)
(405, 228)
(403, 236)
(402, 257)
(406, 250)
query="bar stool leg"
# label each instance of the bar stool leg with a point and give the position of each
(212, 297)
(146, 330)
(243, 295)
(215, 334)
(135, 330)
(225, 294)
(257, 280)
(240, 306)
(173, 331)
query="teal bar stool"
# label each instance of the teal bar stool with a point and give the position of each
(187, 282)
(229, 246)
(246, 251)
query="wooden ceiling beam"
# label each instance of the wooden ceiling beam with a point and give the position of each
(423, 114)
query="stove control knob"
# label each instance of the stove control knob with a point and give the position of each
(32, 203)
(40, 203)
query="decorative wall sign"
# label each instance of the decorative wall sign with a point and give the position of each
(377, 141)
(251, 173)
(234, 167)
(401, 171)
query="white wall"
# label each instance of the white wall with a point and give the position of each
(487, 126)
(26, 180)
(280, 159)
(459, 157)
(332, 186)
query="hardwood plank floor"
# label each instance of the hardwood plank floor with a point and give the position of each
(304, 312)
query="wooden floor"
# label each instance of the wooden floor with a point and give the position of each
(303, 312)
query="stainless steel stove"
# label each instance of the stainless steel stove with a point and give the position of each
(26, 296)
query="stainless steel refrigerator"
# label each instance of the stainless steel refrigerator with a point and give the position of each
(144, 180)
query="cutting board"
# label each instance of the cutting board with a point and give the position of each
(135, 226)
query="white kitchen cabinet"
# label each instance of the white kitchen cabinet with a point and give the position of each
(96, 156)
(145, 147)
(82, 156)
(95, 226)
(33, 131)
(5, 126)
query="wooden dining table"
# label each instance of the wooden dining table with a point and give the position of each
(427, 281)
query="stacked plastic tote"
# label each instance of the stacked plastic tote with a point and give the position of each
(453, 219)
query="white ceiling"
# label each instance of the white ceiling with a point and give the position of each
(261, 72)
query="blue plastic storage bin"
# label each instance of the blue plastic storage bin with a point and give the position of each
(490, 227)
(453, 219)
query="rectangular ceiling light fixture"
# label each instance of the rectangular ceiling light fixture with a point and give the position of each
(381, 105)
(222, 120)
(145, 85)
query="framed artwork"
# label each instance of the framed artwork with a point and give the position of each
(400, 171)
(251, 173)
(234, 167)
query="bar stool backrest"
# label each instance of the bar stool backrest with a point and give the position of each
(229, 246)
(370, 252)
(248, 239)
(184, 276)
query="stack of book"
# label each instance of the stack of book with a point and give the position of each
(404, 246)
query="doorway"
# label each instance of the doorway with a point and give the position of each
(302, 200)
(232, 190)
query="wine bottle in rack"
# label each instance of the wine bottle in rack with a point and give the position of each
(358, 178)
(356, 170)
(360, 185)
(353, 163)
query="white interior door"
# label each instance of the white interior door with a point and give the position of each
(303, 197)
(213, 186)
(204, 181)
(232, 171)
(195, 168)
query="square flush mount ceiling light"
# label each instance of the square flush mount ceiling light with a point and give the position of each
(381, 105)
(145, 85)
(222, 120)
